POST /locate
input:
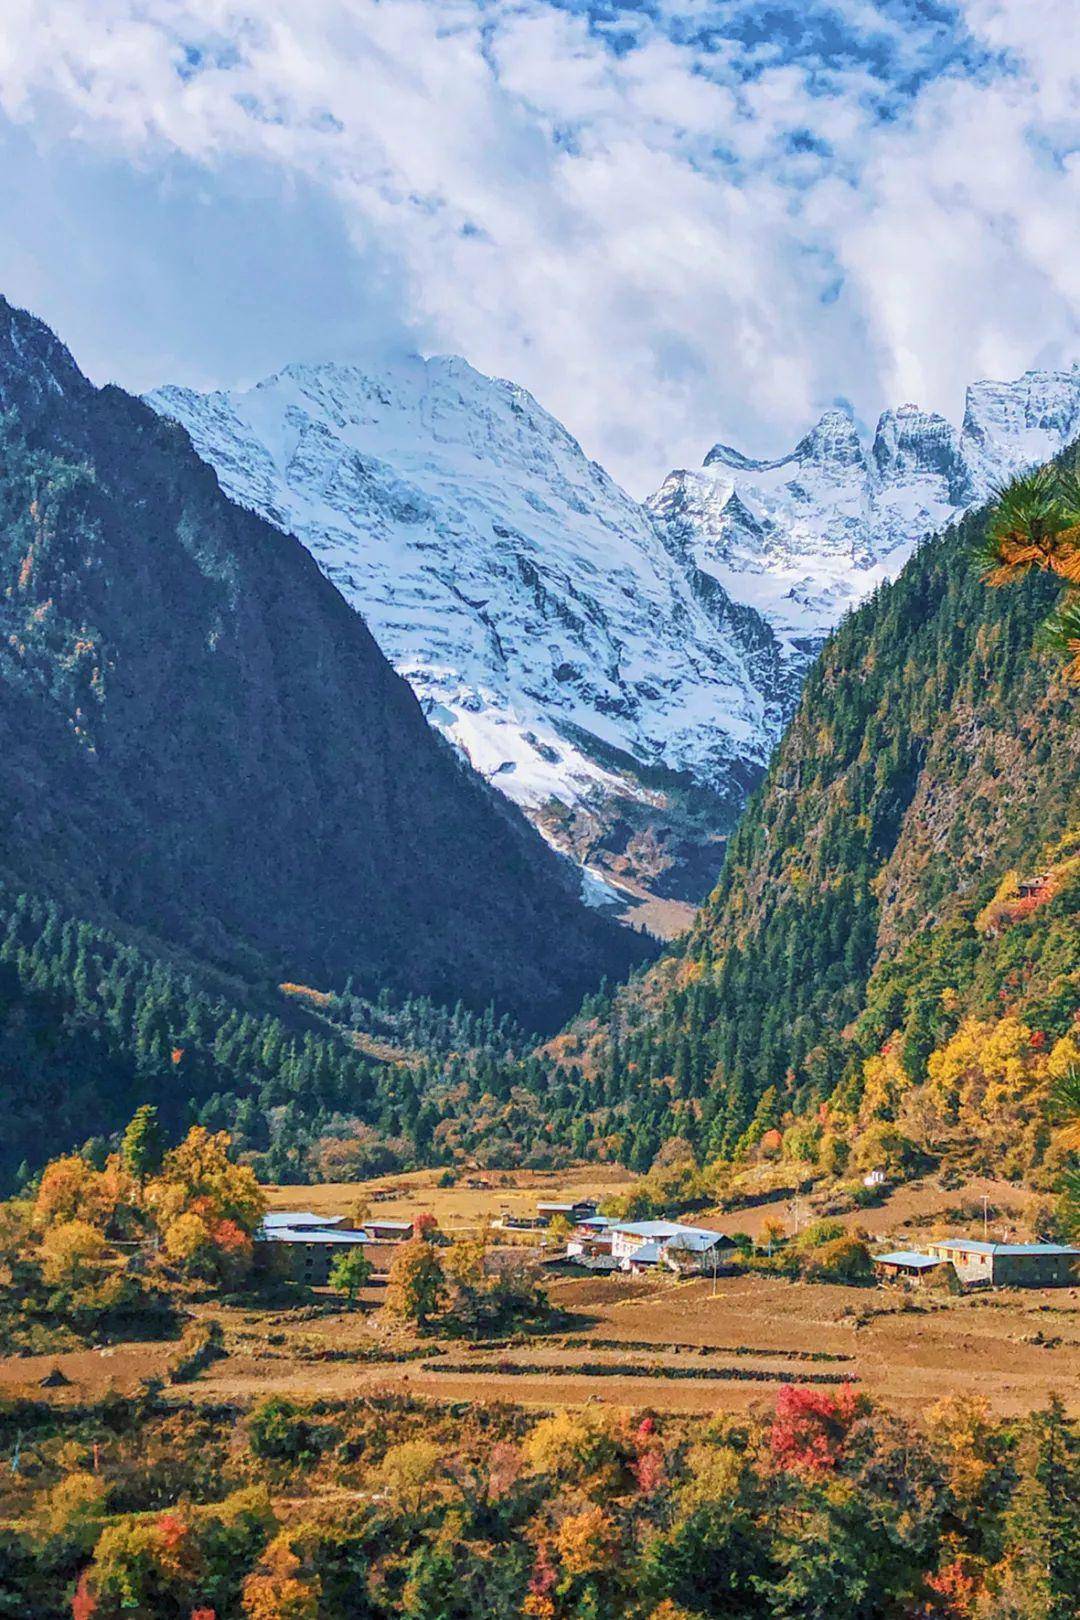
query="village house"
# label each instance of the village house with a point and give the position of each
(591, 1236)
(640, 1245)
(1010, 1265)
(908, 1264)
(388, 1231)
(309, 1244)
(547, 1210)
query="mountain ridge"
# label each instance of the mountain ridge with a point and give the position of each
(807, 535)
(550, 632)
(198, 728)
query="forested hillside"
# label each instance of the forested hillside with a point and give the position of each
(850, 959)
(204, 756)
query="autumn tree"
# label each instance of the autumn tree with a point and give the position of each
(408, 1473)
(1065, 1107)
(1035, 526)
(1042, 1527)
(810, 1427)
(416, 1286)
(281, 1588)
(71, 1254)
(206, 1206)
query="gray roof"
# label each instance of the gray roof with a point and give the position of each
(648, 1254)
(978, 1246)
(310, 1234)
(696, 1242)
(690, 1237)
(908, 1257)
(298, 1218)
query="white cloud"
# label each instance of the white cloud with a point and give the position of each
(701, 234)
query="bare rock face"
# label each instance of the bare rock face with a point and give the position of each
(200, 738)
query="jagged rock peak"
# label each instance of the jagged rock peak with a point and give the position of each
(832, 441)
(829, 522)
(910, 443)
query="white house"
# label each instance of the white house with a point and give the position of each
(638, 1245)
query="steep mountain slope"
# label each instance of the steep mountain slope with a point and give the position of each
(199, 737)
(598, 679)
(933, 764)
(806, 537)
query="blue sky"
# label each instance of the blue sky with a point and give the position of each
(673, 222)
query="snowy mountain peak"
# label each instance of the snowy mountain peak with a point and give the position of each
(808, 536)
(581, 662)
(832, 445)
(911, 444)
(833, 441)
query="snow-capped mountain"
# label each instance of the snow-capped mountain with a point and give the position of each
(807, 536)
(581, 662)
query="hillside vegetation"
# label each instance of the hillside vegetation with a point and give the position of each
(204, 757)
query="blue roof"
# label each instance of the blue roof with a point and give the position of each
(298, 1218)
(978, 1246)
(908, 1257)
(310, 1234)
(663, 1230)
(648, 1254)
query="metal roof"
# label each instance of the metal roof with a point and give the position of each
(908, 1257)
(978, 1246)
(310, 1234)
(392, 1226)
(696, 1242)
(662, 1231)
(298, 1218)
(648, 1254)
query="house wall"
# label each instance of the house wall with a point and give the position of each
(623, 1244)
(971, 1265)
(1010, 1270)
(1035, 1270)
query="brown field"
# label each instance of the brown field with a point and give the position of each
(457, 1209)
(627, 1337)
(731, 1350)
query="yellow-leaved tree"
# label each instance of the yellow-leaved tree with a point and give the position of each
(207, 1208)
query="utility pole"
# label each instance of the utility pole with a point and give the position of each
(986, 1216)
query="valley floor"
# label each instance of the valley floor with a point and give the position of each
(652, 1341)
(639, 1342)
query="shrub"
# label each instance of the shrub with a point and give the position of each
(845, 1259)
(278, 1432)
(201, 1344)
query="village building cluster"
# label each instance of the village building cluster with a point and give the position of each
(977, 1261)
(601, 1244)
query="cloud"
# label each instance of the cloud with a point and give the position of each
(673, 223)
